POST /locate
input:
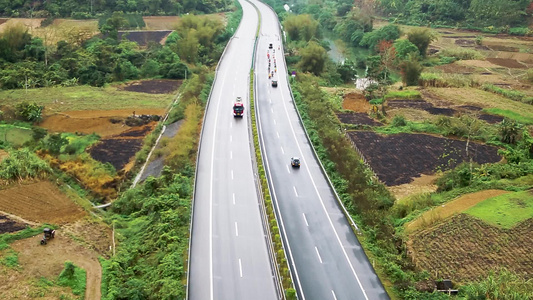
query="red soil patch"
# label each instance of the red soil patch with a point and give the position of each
(397, 158)
(40, 202)
(94, 121)
(356, 102)
(357, 119)
(507, 62)
(120, 149)
(156, 86)
(464, 248)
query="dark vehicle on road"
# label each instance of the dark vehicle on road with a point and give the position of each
(274, 83)
(295, 162)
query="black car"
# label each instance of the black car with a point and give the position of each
(274, 83)
(270, 46)
(295, 162)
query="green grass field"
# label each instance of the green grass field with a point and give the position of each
(505, 210)
(58, 99)
(524, 119)
(15, 135)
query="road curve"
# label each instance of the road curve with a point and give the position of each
(327, 261)
(228, 253)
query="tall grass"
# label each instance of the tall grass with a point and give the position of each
(511, 94)
(405, 94)
(22, 164)
(446, 80)
(461, 53)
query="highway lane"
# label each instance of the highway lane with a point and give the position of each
(229, 256)
(326, 258)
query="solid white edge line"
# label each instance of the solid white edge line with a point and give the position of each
(236, 230)
(305, 219)
(320, 198)
(318, 254)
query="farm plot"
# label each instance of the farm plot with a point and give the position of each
(143, 38)
(464, 248)
(118, 150)
(40, 202)
(357, 119)
(397, 158)
(155, 86)
(356, 102)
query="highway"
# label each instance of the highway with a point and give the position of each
(229, 258)
(327, 261)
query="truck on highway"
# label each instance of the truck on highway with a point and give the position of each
(238, 108)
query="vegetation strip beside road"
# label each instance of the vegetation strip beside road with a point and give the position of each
(280, 257)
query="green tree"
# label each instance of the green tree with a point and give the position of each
(301, 27)
(421, 38)
(404, 48)
(498, 12)
(313, 58)
(150, 68)
(386, 33)
(54, 142)
(410, 70)
(509, 131)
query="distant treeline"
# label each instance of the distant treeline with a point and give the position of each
(475, 13)
(81, 9)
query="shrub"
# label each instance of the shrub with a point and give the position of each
(421, 38)
(30, 112)
(22, 164)
(399, 121)
(410, 70)
(520, 31)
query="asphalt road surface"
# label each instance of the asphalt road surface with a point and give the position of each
(326, 258)
(229, 255)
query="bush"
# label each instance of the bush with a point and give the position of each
(21, 164)
(73, 277)
(522, 31)
(399, 121)
(421, 38)
(30, 112)
(410, 70)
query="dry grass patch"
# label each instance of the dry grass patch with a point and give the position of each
(419, 185)
(476, 97)
(453, 207)
(357, 102)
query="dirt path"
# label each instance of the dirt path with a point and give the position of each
(48, 261)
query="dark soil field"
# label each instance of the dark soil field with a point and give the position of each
(397, 158)
(430, 108)
(357, 119)
(464, 248)
(118, 150)
(8, 225)
(156, 86)
(142, 38)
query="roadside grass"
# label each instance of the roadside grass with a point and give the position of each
(524, 119)
(484, 99)
(505, 210)
(458, 205)
(60, 99)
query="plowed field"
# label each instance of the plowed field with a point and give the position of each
(40, 202)
(120, 149)
(398, 158)
(9, 225)
(464, 248)
(156, 86)
(357, 119)
(142, 38)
